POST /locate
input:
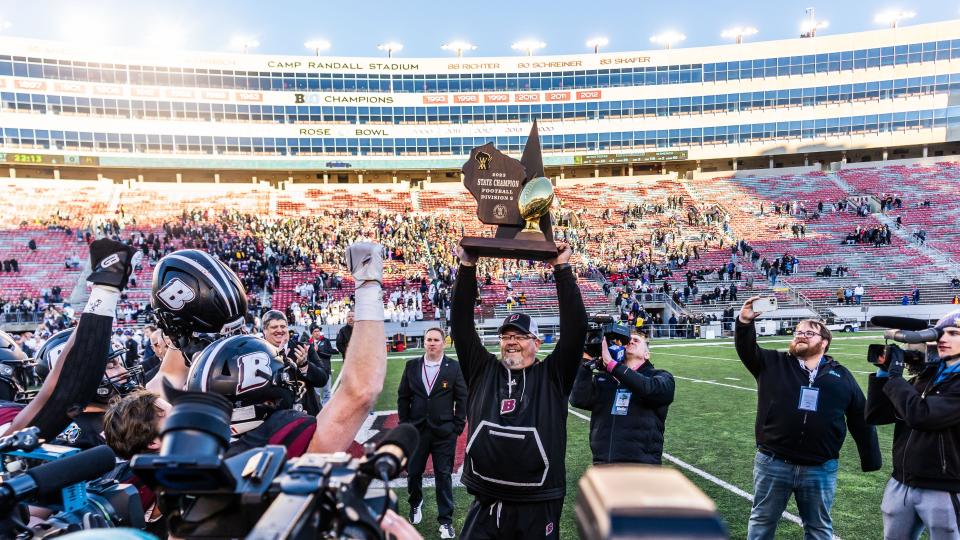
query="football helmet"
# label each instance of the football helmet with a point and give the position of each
(195, 294)
(117, 385)
(251, 373)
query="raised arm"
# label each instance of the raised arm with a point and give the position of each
(745, 338)
(365, 365)
(568, 354)
(84, 358)
(470, 350)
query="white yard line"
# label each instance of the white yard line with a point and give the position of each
(715, 383)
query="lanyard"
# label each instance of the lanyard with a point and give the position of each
(812, 372)
(426, 377)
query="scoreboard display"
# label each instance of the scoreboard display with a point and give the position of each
(48, 159)
(640, 157)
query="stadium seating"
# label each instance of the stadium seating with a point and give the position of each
(596, 209)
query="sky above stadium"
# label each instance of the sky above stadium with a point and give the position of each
(355, 28)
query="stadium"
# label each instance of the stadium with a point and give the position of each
(828, 167)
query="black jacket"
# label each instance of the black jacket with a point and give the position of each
(444, 409)
(518, 419)
(926, 431)
(637, 436)
(343, 339)
(809, 438)
(316, 376)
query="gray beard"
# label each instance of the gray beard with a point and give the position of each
(511, 364)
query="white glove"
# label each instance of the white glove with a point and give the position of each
(365, 261)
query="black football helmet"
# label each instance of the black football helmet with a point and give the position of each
(195, 295)
(16, 371)
(119, 385)
(250, 373)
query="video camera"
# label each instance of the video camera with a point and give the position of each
(54, 478)
(914, 333)
(600, 326)
(258, 494)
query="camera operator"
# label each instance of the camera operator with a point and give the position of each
(84, 355)
(517, 410)
(628, 401)
(925, 411)
(802, 399)
(312, 371)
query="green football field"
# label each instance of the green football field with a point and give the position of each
(709, 436)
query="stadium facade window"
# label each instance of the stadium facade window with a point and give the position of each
(827, 62)
(662, 107)
(652, 139)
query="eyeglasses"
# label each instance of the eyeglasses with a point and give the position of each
(807, 334)
(506, 338)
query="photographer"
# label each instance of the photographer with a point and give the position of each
(312, 371)
(628, 400)
(925, 411)
(517, 410)
(802, 399)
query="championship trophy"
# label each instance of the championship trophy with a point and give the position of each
(515, 196)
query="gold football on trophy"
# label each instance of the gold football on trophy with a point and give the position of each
(535, 200)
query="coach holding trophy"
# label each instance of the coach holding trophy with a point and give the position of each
(925, 411)
(803, 398)
(517, 410)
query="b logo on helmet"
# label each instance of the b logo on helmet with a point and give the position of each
(255, 372)
(176, 294)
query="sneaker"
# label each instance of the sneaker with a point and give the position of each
(446, 531)
(416, 514)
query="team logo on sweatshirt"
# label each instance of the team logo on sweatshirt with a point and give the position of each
(508, 406)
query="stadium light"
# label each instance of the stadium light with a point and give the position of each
(667, 39)
(458, 47)
(738, 33)
(244, 43)
(528, 45)
(317, 45)
(390, 47)
(597, 42)
(893, 17)
(810, 25)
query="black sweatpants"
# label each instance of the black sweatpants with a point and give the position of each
(442, 449)
(512, 520)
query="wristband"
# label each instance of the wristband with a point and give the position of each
(882, 373)
(369, 302)
(610, 366)
(561, 266)
(103, 301)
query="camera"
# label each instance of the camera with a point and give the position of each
(600, 326)
(258, 493)
(55, 478)
(914, 334)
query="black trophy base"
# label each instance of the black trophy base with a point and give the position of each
(507, 248)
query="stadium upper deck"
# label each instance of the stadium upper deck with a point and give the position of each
(776, 103)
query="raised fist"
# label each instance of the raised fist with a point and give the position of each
(365, 261)
(110, 262)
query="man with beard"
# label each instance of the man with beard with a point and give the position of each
(802, 399)
(517, 410)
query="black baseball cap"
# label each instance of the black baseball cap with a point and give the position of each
(521, 322)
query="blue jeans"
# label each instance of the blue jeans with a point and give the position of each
(773, 483)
